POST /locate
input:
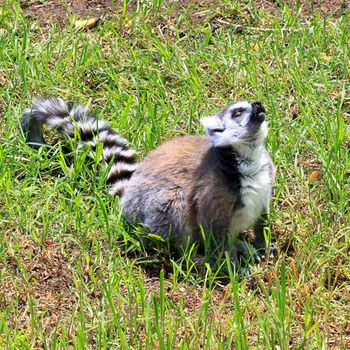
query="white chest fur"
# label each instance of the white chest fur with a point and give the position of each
(255, 196)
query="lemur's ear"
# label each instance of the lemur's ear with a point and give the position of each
(212, 124)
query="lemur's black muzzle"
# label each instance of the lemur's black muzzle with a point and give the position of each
(258, 112)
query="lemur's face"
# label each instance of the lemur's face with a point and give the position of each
(241, 123)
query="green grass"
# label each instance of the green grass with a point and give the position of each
(73, 274)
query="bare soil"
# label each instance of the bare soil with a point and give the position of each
(57, 10)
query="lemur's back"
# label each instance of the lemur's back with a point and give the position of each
(175, 160)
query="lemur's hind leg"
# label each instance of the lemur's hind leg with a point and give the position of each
(162, 207)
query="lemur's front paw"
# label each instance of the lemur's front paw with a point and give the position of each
(256, 254)
(247, 271)
(271, 251)
(262, 253)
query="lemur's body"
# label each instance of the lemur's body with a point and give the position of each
(220, 182)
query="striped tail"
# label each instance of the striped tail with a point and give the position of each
(67, 119)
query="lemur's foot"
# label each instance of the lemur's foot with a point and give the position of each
(249, 252)
(247, 271)
(271, 251)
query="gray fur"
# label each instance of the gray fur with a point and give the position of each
(219, 183)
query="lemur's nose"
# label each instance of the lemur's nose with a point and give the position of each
(258, 112)
(258, 107)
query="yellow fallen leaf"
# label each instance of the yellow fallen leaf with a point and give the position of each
(128, 24)
(315, 175)
(255, 47)
(325, 57)
(86, 23)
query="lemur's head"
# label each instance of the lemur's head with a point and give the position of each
(239, 124)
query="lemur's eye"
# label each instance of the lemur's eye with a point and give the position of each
(237, 112)
(217, 130)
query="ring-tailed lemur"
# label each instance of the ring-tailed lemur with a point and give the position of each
(220, 182)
